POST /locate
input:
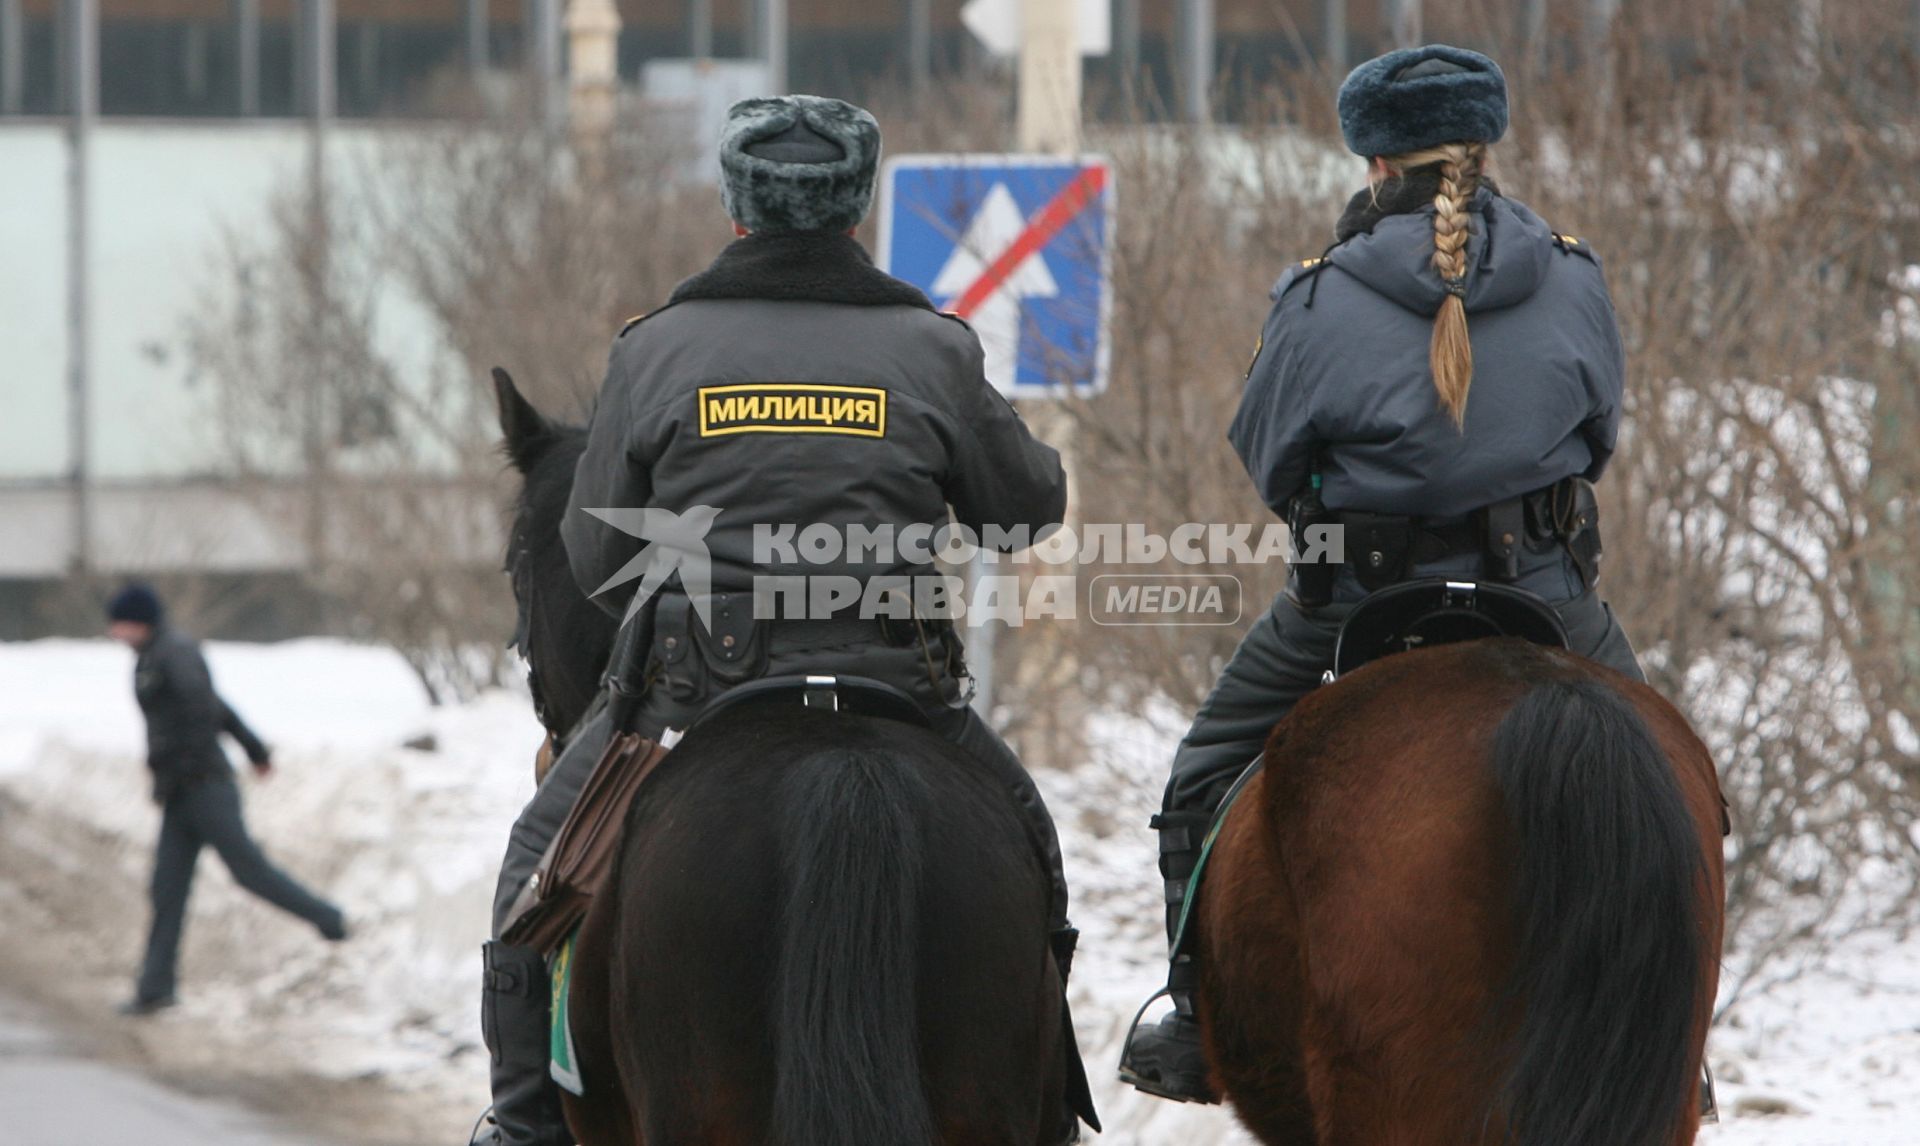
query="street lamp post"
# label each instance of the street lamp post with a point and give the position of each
(83, 105)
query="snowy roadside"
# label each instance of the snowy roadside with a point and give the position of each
(406, 840)
(409, 839)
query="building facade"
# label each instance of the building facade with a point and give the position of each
(410, 58)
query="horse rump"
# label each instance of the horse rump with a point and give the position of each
(830, 930)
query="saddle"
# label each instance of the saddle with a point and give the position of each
(853, 695)
(1435, 611)
(578, 862)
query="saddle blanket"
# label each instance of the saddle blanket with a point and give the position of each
(565, 1066)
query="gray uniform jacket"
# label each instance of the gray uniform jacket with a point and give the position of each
(1342, 375)
(185, 717)
(1342, 382)
(793, 384)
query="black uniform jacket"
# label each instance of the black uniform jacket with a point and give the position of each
(794, 385)
(185, 717)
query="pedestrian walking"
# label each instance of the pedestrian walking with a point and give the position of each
(194, 785)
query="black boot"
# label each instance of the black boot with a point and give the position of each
(1166, 1060)
(515, 1018)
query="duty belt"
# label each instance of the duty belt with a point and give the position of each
(1384, 549)
(829, 633)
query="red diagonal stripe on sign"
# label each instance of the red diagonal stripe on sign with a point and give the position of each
(1048, 222)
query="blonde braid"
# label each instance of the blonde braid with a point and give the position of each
(1450, 355)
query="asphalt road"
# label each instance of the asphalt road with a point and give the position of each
(52, 1094)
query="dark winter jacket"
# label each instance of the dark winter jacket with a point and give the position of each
(794, 384)
(185, 717)
(1342, 374)
(1341, 380)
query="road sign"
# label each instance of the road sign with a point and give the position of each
(998, 25)
(1020, 247)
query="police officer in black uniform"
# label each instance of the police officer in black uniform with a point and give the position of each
(194, 786)
(1365, 403)
(790, 389)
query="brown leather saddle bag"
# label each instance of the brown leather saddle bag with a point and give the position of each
(580, 859)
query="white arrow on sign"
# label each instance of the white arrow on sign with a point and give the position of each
(999, 25)
(993, 229)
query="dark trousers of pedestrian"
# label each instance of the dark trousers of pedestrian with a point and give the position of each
(207, 814)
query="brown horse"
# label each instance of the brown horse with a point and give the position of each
(1474, 900)
(821, 930)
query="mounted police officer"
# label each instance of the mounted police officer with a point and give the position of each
(194, 786)
(1370, 407)
(790, 388)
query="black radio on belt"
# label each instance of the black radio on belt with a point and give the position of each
(1312, 566)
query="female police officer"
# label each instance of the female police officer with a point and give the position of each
(1367, 387)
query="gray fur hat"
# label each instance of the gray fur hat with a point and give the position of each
(798, 163)
(1417, 98)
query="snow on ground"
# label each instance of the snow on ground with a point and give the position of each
(409, 839)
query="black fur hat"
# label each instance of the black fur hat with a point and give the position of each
(1417, 98)
(798, 163)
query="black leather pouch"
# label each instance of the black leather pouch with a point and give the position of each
(733, 643)
(1377, 547)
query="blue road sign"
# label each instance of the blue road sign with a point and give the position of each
(1018, 246)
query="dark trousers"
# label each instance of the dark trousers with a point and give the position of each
(1284, 656)
(207, 814)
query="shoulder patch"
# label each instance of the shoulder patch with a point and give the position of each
(956, 318)
(1573, 245)
(792, 408)
(1295, 272)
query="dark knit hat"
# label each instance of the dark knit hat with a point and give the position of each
(798, 163)
(136, 601)
(1417, 98)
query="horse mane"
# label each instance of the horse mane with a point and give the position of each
(565, 637)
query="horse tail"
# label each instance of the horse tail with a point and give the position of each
(845, 1001)
(1611, 970)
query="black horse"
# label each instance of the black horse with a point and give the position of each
(822, 930)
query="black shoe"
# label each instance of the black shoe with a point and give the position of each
(335, 930)
(1166, 1061)
(139, 1008)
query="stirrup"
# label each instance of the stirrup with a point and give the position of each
(482, 1123)
(1199, 1091)
(1133, 1028)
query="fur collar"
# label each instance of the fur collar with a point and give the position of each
(1399, 196)
(804, 267)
